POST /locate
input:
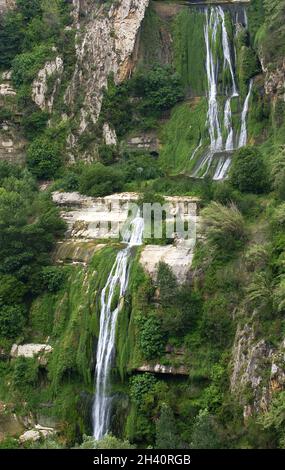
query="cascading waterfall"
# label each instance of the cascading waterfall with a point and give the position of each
(117, 280)
(243, 132)
(219, 117)
(213, 109)
(228, 125)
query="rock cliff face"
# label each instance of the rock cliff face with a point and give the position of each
(5, 5)
(41, 94)
(105, 41)
(103, 218)
(12, 143)
(274, 83)
(258, 370)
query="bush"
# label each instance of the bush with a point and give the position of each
(141, 386)
(206, 433)
(43, 158)
(107, 442)
(151, 341)
(279, 296)
(25, 372)
(98, 180)
(160, 88)
(35, 123)
(166, 432)
(223, 226)
(12, 291)
(167, 284)
(216, 325)
(25, 66)
(278, 173)
(248, 172)
(11, 37)
(53, 278)
(12, 320)
(108, 154)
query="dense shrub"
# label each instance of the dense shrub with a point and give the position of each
(11, 37)
(25, 66)
(206, 433)
(166, 432)
(167, 284)
(216, 324)
(140, 167)
(29, 227)
(43, 158)
(53, 278)
(248, 171)
(160, 89)
(278, 173)
(25, 372)
(35, 123)
(117, 108)
(12, 291)
(141, 386)
(12, 320)
(223, 226)
(99, 180)
(150, 339)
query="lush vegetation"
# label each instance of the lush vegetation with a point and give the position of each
(201, 332)
(29, 227)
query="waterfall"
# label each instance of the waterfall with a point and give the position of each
(243, 133)
(213, 109)
(228, 125)
(116, 282)
(196, 149)
(226, 49)
(214, 22)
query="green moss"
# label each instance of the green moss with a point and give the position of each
(181, 136)
(189, 50)
(154, 31)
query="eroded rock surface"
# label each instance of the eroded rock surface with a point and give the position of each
(42, 94)
(258, 370)
(105, 41)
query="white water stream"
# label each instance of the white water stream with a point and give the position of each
(115, 287)
(217, 118)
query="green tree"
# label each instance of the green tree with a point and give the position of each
(167, 284)
(12, 291)
(12, 321)
(99, 180)
(160, 88)
(166, 430)
(248, 171)
(206, 433)
(151, 340)
(43, 158)
(11, 37)
(141, 386)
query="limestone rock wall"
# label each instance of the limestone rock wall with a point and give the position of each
(12, 143)
(41, 94)
(106, 39)
(274, 84)
(258, 370)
